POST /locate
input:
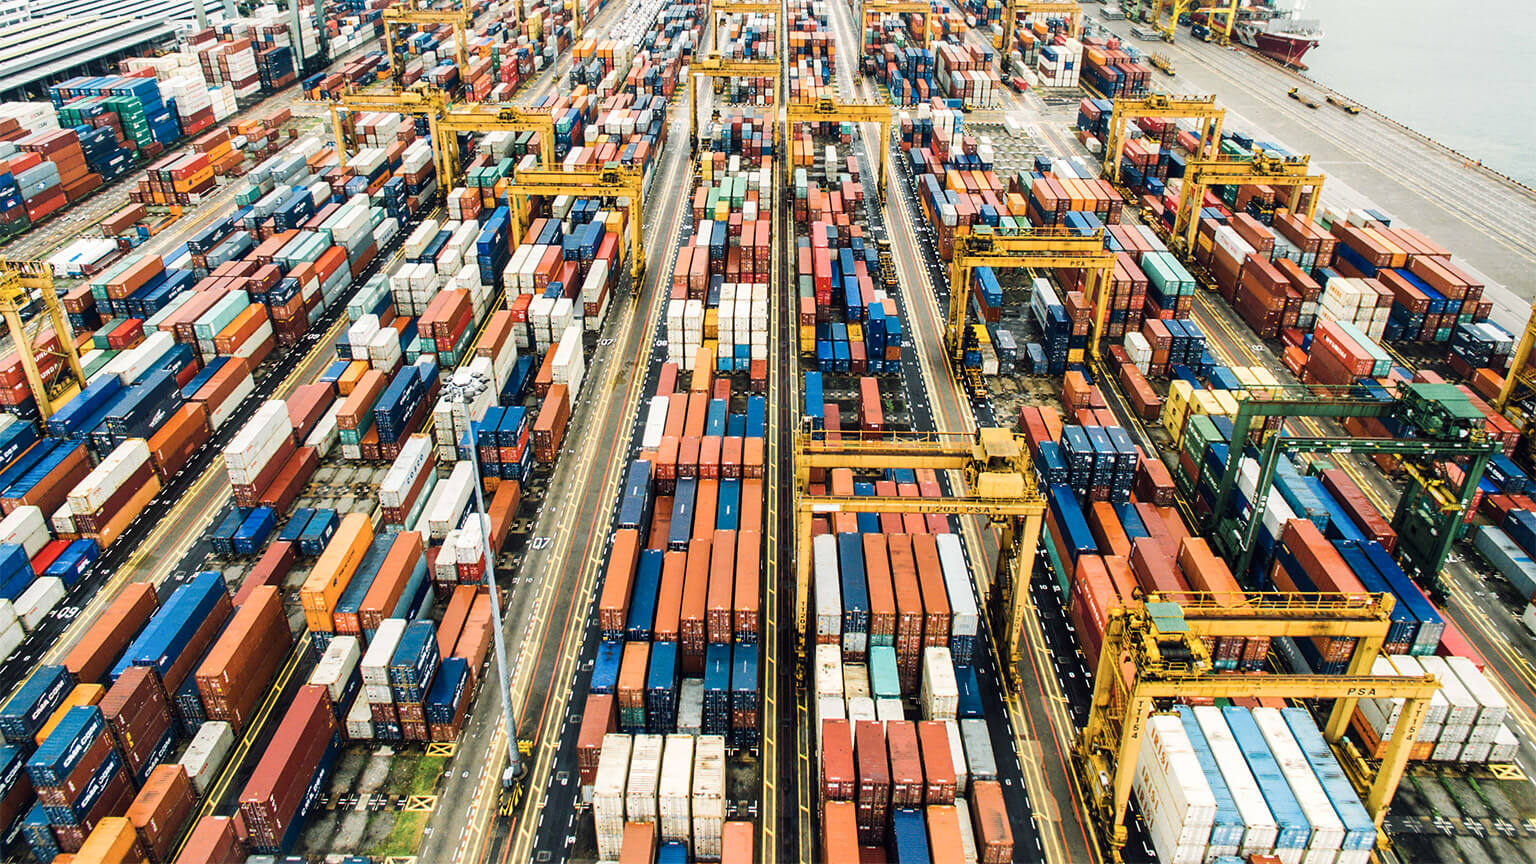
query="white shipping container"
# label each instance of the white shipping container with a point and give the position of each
(337, 665)
(965, 618)
(10, 639)
(1327, 828)
(38, 600)
(405, 470)
(376, 659)
(1176, 801)
(378, 694)
(450, 499)
(674, 795)
(941, 693)
(957, 756)
(967, 832)
(1492, 709)
(206, 755)
(829, 672)
(26, 527)
(608, 796)
(91, 493)
(644, 779)
(708, 796)
(1463, 708)
(829, 590)
(862, 708)
(655, 422)
(325, 434)
(7, 614)
(359, 720)
(889, 710)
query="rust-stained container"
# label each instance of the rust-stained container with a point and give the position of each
(334, 569)
(307, 405)
(906, 763)
(247, 656)
(938, 763)
(722, 587)
(271, 569)
(632, 672)
(304, 743)
(930, 579)
(1359, 508)
(549, 427)
(749, 550)
(1320, 560)
(394, 574)
(873, 800)
(503, 509)
(161, 809)
(618, 582)
(598, 718)
(989, 819)
(175, 443)
(839, 778)
(882, 595)
(291, 479)
(475, 641)
(112, 841)
(839, 833)
(691, 632)
(92, 657)
(669, 600)
(138, 714)
(909, 608)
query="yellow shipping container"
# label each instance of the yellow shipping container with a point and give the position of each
(334, 570)
(83, 694)
(112, 841)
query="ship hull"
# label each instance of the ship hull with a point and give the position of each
(1286, 49)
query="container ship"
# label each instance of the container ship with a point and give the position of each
(1272, 28)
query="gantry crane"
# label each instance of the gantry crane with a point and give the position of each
(718, 8)
(1221, 34)
(1161, 106)
(1176, 9)
(1519, 388)
(481, 117)
(999, 484)
(422, 101)
(984, 246)
(609, 181)
(396, 17)
(1068, 9)
(1164, 644)
(712, 66)
(18, 279)
(871, 10)
(843, 111)
(1291, 172)
(1446, 426)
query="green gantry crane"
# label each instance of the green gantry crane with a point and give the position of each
(1430, 512)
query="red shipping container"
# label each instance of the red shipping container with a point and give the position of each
(161, 809)
(213, 841)
(272, 799)
(138, 714)
(598, 718)
(271, 569)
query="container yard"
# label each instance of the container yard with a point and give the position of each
(681, 432)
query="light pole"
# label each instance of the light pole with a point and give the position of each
(463, 388)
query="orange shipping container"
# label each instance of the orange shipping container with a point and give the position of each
(93, 656)
(112, 841)
(247, 656)
(404, 551)
(334, 569)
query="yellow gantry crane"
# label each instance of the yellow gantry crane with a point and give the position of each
(1013, 9)
(1293, 173)
(1520, 384)
(1221, 34)
(843, 111)
(609, 181)
(718, 8)
(984, 246)
(871, 10)
(1161, 106)
(1176, 8)
(1165, 644)
(999, 484)
(421, 101)
(481, 117)
(396, 17)
(712, 66)
(18, 279)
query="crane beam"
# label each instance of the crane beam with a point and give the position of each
(844, 111)
(1159, 106)
(608, 181)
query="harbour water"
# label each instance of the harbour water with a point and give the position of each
(1457, 73)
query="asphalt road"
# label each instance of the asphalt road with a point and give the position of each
(1476, 213)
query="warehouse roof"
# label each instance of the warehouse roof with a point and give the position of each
(44, 47)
